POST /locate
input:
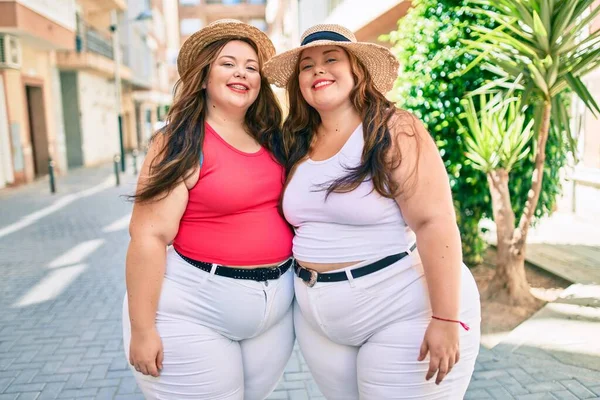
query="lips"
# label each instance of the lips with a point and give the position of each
(322, 83)
(238, 87)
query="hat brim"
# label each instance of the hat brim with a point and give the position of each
(379, 61)
(217, 31)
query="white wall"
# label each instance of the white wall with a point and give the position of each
(60, 11)
(6, 168)
(172, 23)
(591, 125)
(57, 108)
(311, 12)
(99, 126)
(354, 15)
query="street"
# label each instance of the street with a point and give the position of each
(62, 286)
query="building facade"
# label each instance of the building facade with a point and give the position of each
(368, 23)
(195, 14)
(584, 179)
(282, 19)
(147, 94)
(61, 77)
(87, 81)
(589, 138)
(31, 123)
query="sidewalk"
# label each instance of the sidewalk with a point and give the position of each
(566, 330)
(61, 291)
(26, 199)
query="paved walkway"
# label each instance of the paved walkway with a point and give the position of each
(61, 288)
(567, 244)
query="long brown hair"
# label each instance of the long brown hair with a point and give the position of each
(183, 134)
(376, 112)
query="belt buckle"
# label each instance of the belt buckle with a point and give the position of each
(314, 275)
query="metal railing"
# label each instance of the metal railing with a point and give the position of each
(94, 41)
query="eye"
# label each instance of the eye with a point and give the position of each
(330, 60)
(305, 67)
(228, 64)
(252, 68)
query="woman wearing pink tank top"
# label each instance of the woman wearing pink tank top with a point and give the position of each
(210, 317)
(375, 318)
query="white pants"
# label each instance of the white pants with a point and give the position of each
(223, 338)
(361, 338)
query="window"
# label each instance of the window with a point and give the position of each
(255, 1)
(189, 2)
(190, 25)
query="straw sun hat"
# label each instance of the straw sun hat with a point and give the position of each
(379, 61)
(222, 29)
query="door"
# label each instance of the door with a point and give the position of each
(37, 129)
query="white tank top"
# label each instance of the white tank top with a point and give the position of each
(355, 226)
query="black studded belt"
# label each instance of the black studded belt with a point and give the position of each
(254, 274)
(311, 277)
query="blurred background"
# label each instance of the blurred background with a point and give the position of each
(85, 83)
(68, 68)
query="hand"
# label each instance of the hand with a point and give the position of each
(441, 341)
(146, 352)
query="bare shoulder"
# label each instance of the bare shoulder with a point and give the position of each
(401, 118)
(407, 130)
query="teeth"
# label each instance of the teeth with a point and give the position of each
(239, 87)
(325, 83)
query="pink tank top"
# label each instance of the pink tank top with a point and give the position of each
(232, 216)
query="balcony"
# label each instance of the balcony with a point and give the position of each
(93, 51)
(95, 42)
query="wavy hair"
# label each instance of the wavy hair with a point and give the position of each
(379, 157)
(183, 134)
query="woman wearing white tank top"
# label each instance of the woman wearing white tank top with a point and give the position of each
(375, 318)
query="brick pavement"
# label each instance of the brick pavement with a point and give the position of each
(60, 309)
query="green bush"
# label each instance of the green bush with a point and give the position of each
(428, 46)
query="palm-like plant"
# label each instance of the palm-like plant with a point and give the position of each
(546, 46)
(497, 136)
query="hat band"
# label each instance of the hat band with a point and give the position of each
(324, 35)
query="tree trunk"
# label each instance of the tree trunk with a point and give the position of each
(536, 180)
(509, 284)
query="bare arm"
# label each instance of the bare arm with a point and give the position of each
(153, 226)
(426, 204)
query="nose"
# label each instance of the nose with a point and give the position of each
(240, 73)
(318, 70)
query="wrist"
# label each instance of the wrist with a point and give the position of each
(142, 329)
(451, 321)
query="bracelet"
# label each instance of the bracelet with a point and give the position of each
(465, 326)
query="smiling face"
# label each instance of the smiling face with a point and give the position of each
(234, 77)
(325, 77)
